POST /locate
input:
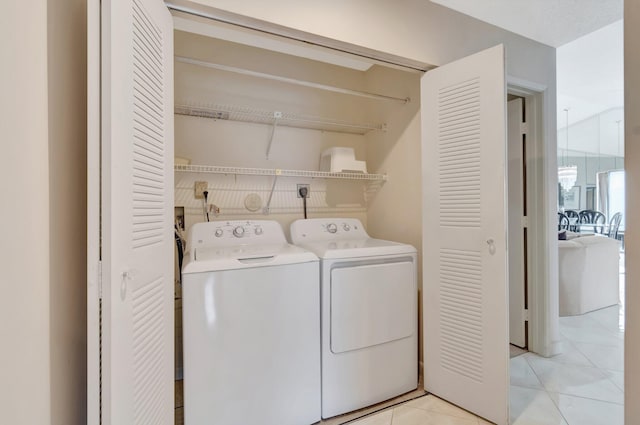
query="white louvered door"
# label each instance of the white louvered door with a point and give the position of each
(137, 212)
(465, 298)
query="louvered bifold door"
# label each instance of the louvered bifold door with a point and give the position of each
(464, 234)
(137, 212)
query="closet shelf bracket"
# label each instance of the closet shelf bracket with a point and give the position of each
(267, 208)
(276, 116)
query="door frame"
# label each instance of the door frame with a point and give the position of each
(542, 271)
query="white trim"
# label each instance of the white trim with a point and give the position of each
(93, 212)
(543, 322)
(218, 15)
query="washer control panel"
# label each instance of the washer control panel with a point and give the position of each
(321, 229)
(235, 232)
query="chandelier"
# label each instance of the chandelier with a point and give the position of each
(567, 174)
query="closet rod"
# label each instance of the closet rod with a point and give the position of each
(290, 80)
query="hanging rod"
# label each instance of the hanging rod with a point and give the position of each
(286, 119)
(290, 80)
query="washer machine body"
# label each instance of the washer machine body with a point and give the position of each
(368, 313)
(251, 327)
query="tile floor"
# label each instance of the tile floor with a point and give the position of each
(427, 410)
(582, 386)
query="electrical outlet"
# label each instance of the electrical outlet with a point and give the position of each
(199, 188)
(300, 186)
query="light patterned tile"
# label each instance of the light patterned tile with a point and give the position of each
(617, 377)
(383, 418)
(434, 404)
(582, 411)
(405, 415)
(570, 354)
(521, 374)
(575, 380)
(529, 406)
(603, 356)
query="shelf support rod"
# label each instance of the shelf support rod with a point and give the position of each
(291, 80)
(276, 116)
(267, 209)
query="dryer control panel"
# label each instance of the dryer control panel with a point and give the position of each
(235, 232)
(327, 229)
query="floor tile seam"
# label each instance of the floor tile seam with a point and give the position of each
(544, 387)
(617, 386)
(585, 355)
(549, 392)
(540, 388)
(580, 366)
(553, 400)
(620, 389)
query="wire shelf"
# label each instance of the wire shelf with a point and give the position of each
(284, 119)
(212, 169)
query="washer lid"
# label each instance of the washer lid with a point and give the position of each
(207, 259)
(355, 248)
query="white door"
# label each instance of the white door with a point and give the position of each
(136, 210)
(464, 234)
(517, 250)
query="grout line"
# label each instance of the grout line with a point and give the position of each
(558, 407)
(382, 409)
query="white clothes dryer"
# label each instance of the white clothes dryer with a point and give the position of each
(251, 327)
(368, 313)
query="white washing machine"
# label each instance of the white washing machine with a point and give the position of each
(251, 327)
(368, 313)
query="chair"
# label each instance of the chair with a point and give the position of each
(572, 214)
(563, 221)
(614, 225)
(595, 218)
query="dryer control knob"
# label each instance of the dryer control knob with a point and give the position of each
(346, 227)
(218, 233)
(258, 230)
(238, 232)
(332, 228)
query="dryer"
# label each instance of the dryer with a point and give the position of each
(251, 327)
(368, 313)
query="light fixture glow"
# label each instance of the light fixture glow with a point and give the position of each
(567, 174)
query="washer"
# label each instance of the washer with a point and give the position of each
(251, 327)
(368, 313)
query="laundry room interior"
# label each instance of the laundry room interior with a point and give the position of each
(251, 126)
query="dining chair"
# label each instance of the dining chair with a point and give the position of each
(563, 221)
(573, 219)
(594, 218)
(614, 225)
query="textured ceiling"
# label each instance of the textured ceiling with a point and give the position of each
(552, 22)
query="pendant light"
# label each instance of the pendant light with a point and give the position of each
(567, 174)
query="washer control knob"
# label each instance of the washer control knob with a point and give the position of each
(238, 232)
(258, 230)
(332, 228)
(218, 233)
(346, 227)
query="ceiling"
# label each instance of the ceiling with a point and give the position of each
(551, 22)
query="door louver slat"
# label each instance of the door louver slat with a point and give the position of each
(148, 146)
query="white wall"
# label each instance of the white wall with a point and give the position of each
(632, 236)
(234, 143)
(429, 33)
(67, 205)
(42, 184)
(24, 189)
